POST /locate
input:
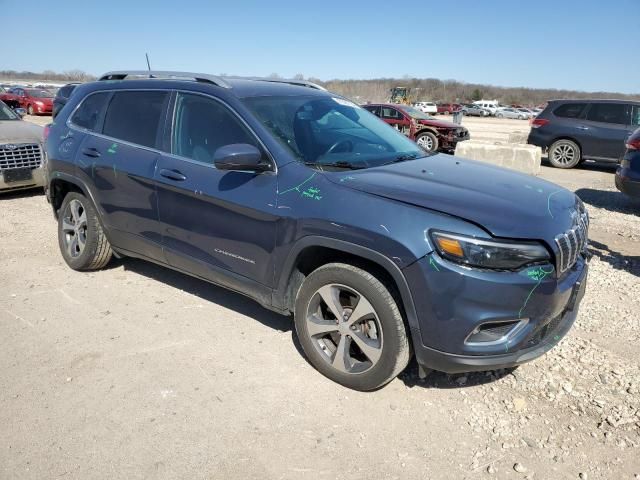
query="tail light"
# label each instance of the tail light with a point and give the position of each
(45, 133)
(538, 122)
(633, 144)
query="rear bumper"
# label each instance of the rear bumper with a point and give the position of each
(37, 180)
(538, 138)
(626, 184)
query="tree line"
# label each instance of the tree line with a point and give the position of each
(448, 91)
(377, 90)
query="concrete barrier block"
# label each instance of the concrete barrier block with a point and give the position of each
(516, 156)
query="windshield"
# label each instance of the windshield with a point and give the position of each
(415, 113)
(332, 132)
(39, 93)
(6, 113)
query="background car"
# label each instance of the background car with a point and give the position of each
(475, 111)
(448, 108)
(21, 152)
(628, 173)
(508, 112)
(427, 107)
(36, 101)
(431, 134)
(526, 111)
(62, 96)
(572, 131)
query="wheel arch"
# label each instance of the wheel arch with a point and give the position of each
(60, 184)
(310, 252)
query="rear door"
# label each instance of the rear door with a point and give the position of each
(121, 162)
(216, 224)
(607, 127)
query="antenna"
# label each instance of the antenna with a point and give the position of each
(148, 64)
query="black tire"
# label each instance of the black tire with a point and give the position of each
(564, 154)
(499, 115)
(428, 141)
(96, 252)
(30, 109)
(394, 346)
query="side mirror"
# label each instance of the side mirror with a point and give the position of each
(241, 157)
(21, 112)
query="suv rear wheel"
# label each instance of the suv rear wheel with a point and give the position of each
(350, 327)
(564, 154)
(82, 241)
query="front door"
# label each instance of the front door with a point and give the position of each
(219, 225)
(397, 119)
(607, 127)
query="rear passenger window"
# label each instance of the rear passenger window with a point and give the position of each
(135, 117)
(570, 110)
(610, 113)
(372, 109)
(202, 125)
(635, 117)
(90, 111)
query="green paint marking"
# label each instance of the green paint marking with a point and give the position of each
(297, 187)
(433, 264)
(549, 201)
(538, 274)
(312, 192)
(113, 148)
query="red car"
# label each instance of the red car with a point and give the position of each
(36, 101)
(448, 108)
(426, 131)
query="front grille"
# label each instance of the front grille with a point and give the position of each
(571, 243)
(20, 156)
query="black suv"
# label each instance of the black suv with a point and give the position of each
(576, 130)
(311, 205)
(62, 96)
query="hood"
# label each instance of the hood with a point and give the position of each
(507, 204)
(438, 123)
(19, 131)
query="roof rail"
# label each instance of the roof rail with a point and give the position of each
(301, 83)
(142, 74)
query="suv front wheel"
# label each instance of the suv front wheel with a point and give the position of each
(82, 241)
(564, 154)
(350, 327)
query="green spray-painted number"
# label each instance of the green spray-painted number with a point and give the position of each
(537, 274)
(113, 148)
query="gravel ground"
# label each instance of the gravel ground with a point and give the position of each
(139, 372)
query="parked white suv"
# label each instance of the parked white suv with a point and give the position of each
(491, 105)
(427, 107)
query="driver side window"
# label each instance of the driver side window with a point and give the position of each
(202, 125)
(391, 114)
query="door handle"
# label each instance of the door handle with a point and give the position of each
(582, 127)
(91, 152)
(172, 175)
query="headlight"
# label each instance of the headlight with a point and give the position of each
(486, 253)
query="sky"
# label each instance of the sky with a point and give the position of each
(586, 45)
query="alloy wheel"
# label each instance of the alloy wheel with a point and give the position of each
(344, 328)
(426, 142)
(74, 228)
(564, 154)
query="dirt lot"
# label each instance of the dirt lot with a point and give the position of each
(139, 372)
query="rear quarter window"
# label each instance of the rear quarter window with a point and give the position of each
(570, 110)
(135, 116)
(90, 111)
